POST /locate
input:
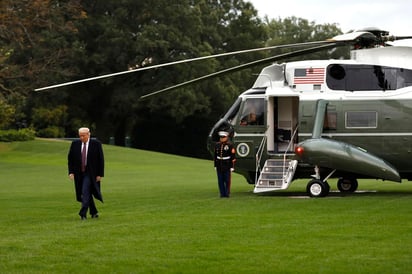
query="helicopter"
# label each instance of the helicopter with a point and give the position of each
(320, 119)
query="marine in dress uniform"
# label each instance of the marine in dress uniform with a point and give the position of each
(224, 161)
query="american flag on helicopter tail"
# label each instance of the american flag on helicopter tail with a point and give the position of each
(309, 76)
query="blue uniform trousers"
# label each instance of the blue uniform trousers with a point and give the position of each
(224, 181)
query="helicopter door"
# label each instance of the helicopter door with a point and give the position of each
(282, 122)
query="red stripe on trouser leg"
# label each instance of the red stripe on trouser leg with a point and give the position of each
(229, 183)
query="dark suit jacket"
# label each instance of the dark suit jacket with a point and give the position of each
(95, 166)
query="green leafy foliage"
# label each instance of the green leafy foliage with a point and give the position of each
(298, 30)
(36, 40)
(49, 122)
(11, 135)
(7, 113)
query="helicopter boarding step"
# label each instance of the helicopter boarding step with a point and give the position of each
(277, 174)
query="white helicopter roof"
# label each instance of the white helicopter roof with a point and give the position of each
(395, 56)
(391, 56)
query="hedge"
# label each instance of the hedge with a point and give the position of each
(11, 135)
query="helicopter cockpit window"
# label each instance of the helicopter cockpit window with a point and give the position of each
(252, 112)
(367, 77)
(233, 111)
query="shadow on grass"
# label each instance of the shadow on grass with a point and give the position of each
(332, 194)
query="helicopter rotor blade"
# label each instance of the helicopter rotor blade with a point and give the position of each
(345, 39)
(401, 37)
(391, 40)
(183, 61)
(247, 65)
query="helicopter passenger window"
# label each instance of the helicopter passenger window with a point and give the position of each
(367, 77)
(361, 119)
(404, 78)
(253, 112)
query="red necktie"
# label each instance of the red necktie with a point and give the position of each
(84, 157)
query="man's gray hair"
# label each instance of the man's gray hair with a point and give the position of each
(84, 130)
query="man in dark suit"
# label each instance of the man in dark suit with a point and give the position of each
(86, 168)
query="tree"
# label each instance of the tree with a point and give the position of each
(293, 30)
(49, 122)
(37, 46)
(186, 115)
(128, 34)
(7, 113)
(37, 42)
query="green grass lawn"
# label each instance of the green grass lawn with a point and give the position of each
(162, 214)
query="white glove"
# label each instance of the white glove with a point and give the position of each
(232, 169)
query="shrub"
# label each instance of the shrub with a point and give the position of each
(51, 132)
(25, 134)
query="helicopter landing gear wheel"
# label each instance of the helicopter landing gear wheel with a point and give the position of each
(317, 188)
(347, 185)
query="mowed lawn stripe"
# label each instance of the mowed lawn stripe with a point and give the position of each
(162, 214)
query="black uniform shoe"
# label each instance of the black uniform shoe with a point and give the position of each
(83, 218)
(94, 216)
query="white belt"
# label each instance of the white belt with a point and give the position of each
(223, 158)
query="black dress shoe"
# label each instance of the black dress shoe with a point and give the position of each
(83, 218)
(94, 216)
